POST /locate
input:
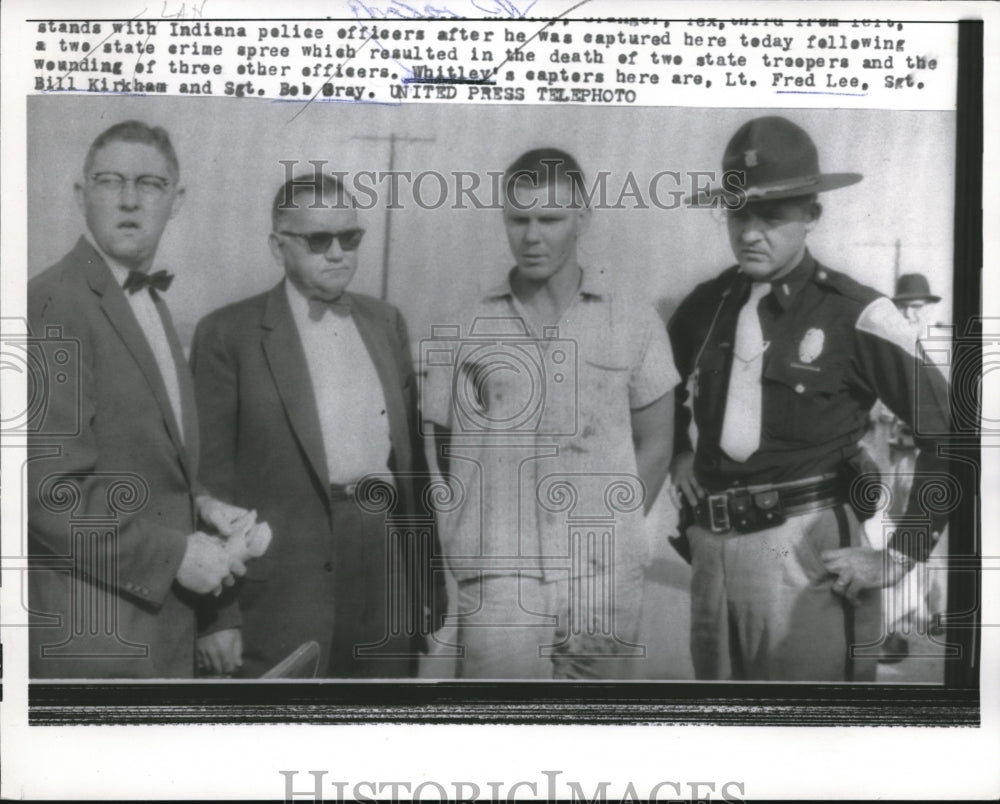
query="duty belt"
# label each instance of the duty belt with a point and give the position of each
(747, 509)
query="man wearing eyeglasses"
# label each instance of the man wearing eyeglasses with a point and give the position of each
(305, 391)
(116, 598)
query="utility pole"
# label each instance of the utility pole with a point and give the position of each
(393, 139)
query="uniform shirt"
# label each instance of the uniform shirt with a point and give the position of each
(349, 396)
(541, 431)
(151, 324)
(835, 346)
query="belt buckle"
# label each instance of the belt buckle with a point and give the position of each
(718, 513)
(343, 490)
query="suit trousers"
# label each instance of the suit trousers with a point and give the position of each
(358, 601)
(763, 609)
(374, 629)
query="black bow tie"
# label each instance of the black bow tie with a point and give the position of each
(319, 308)
(137, 280)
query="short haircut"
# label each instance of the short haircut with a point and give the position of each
(318, 186)
(543, 167)
(135, 131)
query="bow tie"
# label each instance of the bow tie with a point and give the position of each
(137, 280)
(319, 308)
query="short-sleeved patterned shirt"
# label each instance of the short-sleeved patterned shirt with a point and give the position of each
(541, 459)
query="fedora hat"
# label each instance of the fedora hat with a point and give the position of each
(914, 287)
(776, 159)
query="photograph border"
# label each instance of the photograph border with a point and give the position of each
(955, 703)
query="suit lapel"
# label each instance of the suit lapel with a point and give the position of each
(383, 355)
(119, 313)
(287, 361)
(185, 383)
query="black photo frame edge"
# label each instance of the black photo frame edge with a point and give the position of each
(955, 703)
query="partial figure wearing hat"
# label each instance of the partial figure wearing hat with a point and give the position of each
(914, 299)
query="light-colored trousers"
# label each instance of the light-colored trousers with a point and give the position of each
(519, 626)
(763, 609)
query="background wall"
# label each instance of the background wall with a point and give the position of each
(230, 150)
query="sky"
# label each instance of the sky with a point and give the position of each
(231, 153)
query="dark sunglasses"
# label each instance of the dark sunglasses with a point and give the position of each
(320, 242)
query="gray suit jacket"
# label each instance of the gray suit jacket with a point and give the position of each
(111, 481)
(263, 449)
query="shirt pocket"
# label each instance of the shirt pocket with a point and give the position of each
(601, 403)
(802, 403)
(604, 376)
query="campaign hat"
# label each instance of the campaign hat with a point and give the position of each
(771, 158)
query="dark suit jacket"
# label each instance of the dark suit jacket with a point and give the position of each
(263, 448)
(108, 447)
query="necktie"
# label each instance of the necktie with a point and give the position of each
(181, 392)
(741, 427)
(319, 308)
(138, 280)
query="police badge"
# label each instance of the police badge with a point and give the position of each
(811, 346)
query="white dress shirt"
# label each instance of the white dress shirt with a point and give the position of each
(156, 336)
(348, 391)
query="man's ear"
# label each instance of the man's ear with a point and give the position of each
(178, 201)
(815, 212)
(275, 244)
(80, 195)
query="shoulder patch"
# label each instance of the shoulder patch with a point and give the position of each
(883, 320)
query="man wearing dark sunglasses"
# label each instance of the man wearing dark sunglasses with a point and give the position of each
(304, 392)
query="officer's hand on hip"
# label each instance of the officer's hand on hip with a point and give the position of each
(861, 568)
(683, 481)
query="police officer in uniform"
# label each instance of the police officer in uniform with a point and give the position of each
(782, 358)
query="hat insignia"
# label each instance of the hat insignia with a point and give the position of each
(750, 157)
(811, 346)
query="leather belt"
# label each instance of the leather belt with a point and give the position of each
(343, 491)
(748, 509)
(347, 491)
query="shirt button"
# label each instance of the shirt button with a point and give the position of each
(821, 275)
(328, 566)
(800, 388)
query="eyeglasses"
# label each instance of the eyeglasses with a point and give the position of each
(114, 183)
(320, 242)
